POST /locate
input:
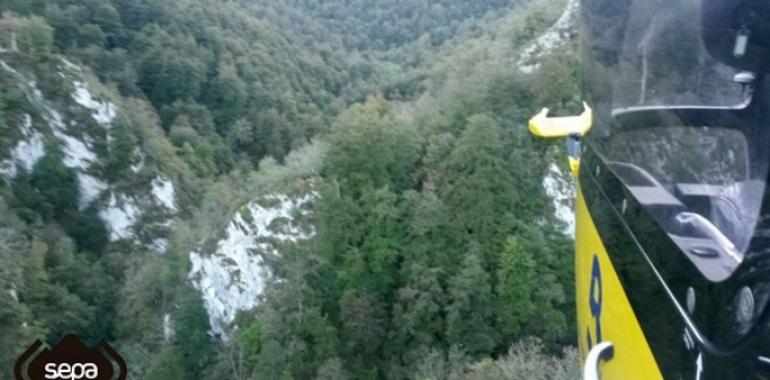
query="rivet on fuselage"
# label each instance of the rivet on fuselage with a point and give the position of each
(745, 306)
(688, 342)
(690, 300)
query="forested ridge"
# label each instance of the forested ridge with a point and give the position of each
(430, 249)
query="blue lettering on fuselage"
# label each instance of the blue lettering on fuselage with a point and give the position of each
(595, 302)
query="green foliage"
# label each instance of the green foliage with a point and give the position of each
(426, 253)
(428, 234)
(297, 337)
(526, 360)
(193, 343)
(54, 308)
(364, 330)
(168, 69)
(418, 320)
(12, 317)
(5, 131)
(391, 149)
(13, 314)
(227, 96)
(166, 366)
(35, 38)
(121, 149)
(389, 23)
(478, 188)
(470, 309)
(332, 369)
(515, 274)
(88, 279)
(250, 338)
(149, 284)
(50, 190)
(89, 231)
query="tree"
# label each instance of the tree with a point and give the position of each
(470, 315)
(553, 261)
(9, 30)
(371, 265)
(87, 278)
(369, 149)
(4, 130)
(167, 365)
(193, 342)
(297, 336)
(50, 189)
(515, 274)
(227, 96)
(121, 149)
(418, 324)
(56, 311)
(478, 189)
(526, 359)
(13, 313)
(35, 38)
(332, 369)
(364, 329)
(171, 69)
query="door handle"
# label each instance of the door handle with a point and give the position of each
(601, 352)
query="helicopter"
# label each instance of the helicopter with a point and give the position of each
(671, 159)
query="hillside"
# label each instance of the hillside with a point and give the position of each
(287, 189)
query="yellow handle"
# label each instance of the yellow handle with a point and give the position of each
(551, 127)
(571, 127)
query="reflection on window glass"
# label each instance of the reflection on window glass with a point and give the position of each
(662, 60)
(697, 183)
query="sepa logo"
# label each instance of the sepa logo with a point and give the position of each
(70, 359)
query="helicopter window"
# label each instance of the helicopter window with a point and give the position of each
(681, 119)
(652, 53)
(699, 185)
(663, 60)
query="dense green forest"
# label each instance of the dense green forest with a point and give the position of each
(434, 252)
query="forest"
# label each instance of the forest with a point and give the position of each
(434, 252)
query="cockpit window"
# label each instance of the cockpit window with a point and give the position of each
(654, 54)
(700, 186)
(680, 120)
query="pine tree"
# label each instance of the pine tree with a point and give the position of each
(50, 189)
(193, 343)
(35, 38)
(370, 150)
(121, 148)
(470, 316)
(515, 274)
(418, 323)
(364, 329)
(478, 189)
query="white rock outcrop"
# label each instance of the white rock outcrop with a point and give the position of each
(103, 112)
(560, 187)
(233, 277)
(27, 151)
(168, 328)
(61, 120)
(163, 191)
(120, 215)
(89, 188)
(548, 41)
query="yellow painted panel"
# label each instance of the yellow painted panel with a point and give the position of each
(603, 308)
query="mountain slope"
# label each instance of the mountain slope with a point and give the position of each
(262, 189)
